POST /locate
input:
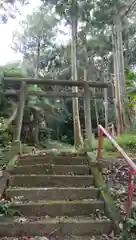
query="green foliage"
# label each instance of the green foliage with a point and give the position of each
(130, 224)
(6, 211)
(36, 39)
(126, 141)
(37, 43)
(130, 82)
(9, 9)
(130, 78)
(6, 137)
(38, 110)
(12, 70)
(65, 9)
(127, 236)
(5, 134)
(133, 127)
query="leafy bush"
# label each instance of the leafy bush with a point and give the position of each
(133, 127)
(129, 232)
(126, 141)
(6, 211)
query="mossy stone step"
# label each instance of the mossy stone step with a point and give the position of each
(34, 194)
(51, 181)
(58, 160)
(51, 169)
(56, 226)
(58, 208)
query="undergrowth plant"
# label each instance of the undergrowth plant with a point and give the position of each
(6, 211)
(127, 141)
(130, 226)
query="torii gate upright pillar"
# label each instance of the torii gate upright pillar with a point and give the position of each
(20, 111)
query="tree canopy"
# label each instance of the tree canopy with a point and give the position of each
(9, 9)
(44, 57)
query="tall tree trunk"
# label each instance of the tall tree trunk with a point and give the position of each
(87, 105)
(78, 141)
(116, 80)
(122, 111)
(120, 70)
(38, 57)
(106, 105)
(126, 42)
(113, 94)
(37, 127)
(117, 74)
(124, 97)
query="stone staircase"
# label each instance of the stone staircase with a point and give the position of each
(56, 198)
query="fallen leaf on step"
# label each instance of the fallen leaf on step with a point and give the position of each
(21, 220)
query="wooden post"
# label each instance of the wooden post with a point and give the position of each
(20, 112)
(87, 113)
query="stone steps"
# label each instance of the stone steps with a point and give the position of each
(55, 226)
(51, 181)
(63, 237)
(58, 160)
(51, 169)
(69, 193)
(55, 196)
(58, 208)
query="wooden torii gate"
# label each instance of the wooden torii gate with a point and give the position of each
(23, 92)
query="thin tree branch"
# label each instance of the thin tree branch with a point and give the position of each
(129, 9)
